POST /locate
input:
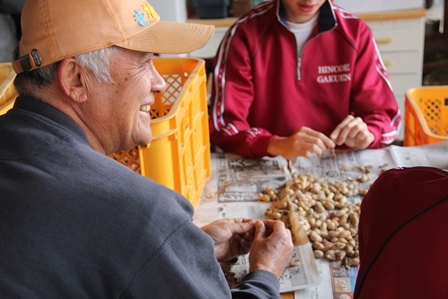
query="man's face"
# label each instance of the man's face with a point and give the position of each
(301, 11)
(119, 112)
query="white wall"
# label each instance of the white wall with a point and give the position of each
(171, 10)
(366, 6)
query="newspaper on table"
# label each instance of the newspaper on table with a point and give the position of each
(232, 193)
(299, 274)
(338, 282)
(334, 166)
(241, 179)
(235, 183)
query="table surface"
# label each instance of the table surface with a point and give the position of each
(392, 156)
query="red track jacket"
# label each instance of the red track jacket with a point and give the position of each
(262, 89)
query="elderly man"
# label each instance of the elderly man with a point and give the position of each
(75, 223)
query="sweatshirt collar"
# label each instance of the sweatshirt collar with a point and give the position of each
(49, 113)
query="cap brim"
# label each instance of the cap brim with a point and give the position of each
(170, 38)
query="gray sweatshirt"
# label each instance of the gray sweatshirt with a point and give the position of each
(74, 223)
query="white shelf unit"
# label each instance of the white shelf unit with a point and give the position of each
(401, 44)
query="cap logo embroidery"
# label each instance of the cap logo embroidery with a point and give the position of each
(36, 57)
(139, 15)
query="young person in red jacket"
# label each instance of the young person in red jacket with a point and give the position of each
(295, 77)
(402, 236)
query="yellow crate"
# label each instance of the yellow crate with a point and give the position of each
(7, 91)
(426, 115)
(179, 154)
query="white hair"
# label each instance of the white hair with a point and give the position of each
(30, 83)
(98, 62)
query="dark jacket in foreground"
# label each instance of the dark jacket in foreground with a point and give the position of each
(74, 223)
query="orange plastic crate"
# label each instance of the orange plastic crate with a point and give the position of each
(426, 115)
(7, 91)
(179, 154)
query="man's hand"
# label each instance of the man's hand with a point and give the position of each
(271, 248)
(304, 142)
(232, 237)
(353, 132)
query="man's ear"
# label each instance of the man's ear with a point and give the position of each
(70, 79)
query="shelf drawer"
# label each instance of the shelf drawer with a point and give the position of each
(397, 35)
(401, 83)
(402, 62)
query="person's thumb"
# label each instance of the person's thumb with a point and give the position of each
(243, 227)
(260, 230)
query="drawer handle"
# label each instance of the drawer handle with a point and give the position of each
(383, 41)
(387, 63)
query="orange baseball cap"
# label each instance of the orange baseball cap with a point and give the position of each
(53, 30)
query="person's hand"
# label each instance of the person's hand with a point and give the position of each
(352, 132)
(271, 248)
(304, 142)
(232, 237)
